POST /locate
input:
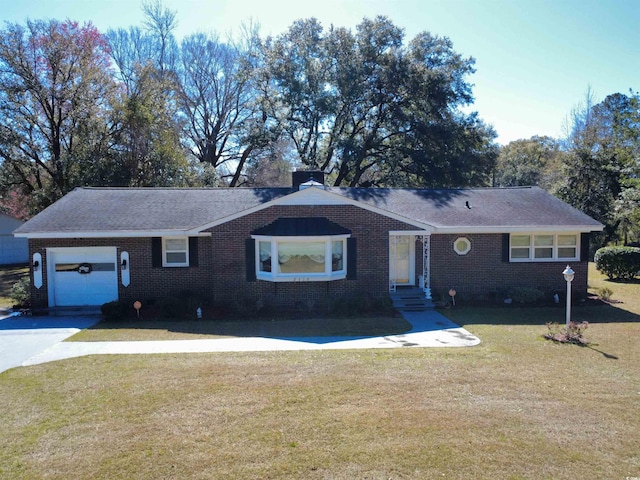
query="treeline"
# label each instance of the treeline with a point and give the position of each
(595, 168)
(135, 107)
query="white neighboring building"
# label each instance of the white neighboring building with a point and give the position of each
(13, 250)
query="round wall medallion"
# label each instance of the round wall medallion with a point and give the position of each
(462, 245)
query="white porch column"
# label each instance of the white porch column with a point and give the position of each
(393, 275)
(426, 265)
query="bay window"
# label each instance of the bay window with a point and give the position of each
(295, 259)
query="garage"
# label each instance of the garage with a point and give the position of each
(82, 276)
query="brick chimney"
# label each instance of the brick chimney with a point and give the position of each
(303, 176)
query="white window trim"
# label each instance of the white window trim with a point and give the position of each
(328, 275)
(555, 247)
(165, 263)
(464, 251)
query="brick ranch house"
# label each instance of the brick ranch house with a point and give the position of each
(307, 243)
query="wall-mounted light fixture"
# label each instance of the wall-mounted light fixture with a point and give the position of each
(125, 272)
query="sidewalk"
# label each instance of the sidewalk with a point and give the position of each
(430, 329)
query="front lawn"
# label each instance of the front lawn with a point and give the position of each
(164, 329)
(627, 292)
(515, 407)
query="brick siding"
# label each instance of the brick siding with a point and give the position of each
(220, 276)
(482, 272)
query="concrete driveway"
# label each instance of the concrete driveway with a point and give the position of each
(35, 340)
(22, 337)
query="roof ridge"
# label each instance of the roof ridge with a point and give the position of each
(179, 188)
(372, 189)
(516, 187)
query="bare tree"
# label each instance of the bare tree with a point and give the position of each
(55, 92)
(161, 23)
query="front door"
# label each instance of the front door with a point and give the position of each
(402, 254)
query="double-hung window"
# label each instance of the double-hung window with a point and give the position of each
(567, 246)
(175, 252)
(543, 247)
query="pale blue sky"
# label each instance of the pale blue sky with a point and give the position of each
(535, 59)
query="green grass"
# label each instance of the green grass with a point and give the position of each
(8, 276)
(515, 407)
(627, 292)
(160, 329)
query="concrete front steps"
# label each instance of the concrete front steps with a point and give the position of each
(410, 299)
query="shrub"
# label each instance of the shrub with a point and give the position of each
(605, 293)
(245, 306)
(304, 306)
(618, 263)
(171, 307)
(526, 294)
(190, 301)
(361, 305)
(341, 306)
(382, 305)
(573, 333)
(20, 292)
(116, 310)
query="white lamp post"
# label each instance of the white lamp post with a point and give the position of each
(568, 276)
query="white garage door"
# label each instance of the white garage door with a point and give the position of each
(82, 276)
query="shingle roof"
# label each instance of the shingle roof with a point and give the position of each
(104, 210)
(145, 209)
(300, 227)
(479, 207)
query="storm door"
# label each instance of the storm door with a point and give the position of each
(401, 260)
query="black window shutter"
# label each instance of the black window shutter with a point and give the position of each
(352, 259)
(250, 259)
(193, 251)
(584, 247)
(156, 252)
(505, 247)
